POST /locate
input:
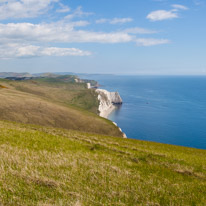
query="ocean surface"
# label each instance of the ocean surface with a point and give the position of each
(166, 109)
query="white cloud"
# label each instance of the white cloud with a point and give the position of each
(57, 32)
(18, 40)
(63, 9)
(137, 30)
(78, 13)
(120, 20)
(162, 15)
(79, 23)
(151, 42)
(178, 6)
(24, 8)
(114, 21)
(21, 51)
(102, 21)
(54, 51)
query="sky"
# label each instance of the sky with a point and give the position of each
(137, 37)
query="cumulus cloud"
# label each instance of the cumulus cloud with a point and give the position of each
(114, 20)
(20, 39)
(23, 39)
(151, 42)
(57, 32)
(24, 8)
(162, 15)
(21, 51)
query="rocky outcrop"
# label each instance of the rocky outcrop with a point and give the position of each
(107, 101)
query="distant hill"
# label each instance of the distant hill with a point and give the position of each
(48, 74)
(13, 74)
(61, 101)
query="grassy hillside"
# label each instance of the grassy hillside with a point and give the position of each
(61, 89)
(57, 102)
(47, 166)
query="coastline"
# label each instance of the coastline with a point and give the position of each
(106, 113)
(107, 102)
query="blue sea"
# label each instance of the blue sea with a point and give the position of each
(166, 109)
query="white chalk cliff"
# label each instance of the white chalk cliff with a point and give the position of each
(107, 101)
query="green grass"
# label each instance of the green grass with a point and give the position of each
(48, 166)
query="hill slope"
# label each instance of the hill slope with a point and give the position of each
(58, 102)
(47, 166)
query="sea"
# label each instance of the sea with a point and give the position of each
(165, 109)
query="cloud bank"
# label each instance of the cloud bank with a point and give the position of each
(25, 37)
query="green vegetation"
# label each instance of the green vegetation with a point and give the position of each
(53, 101)
(48, 166)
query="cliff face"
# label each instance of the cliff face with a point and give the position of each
(107, 101)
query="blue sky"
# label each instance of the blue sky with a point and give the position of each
(110, 36)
